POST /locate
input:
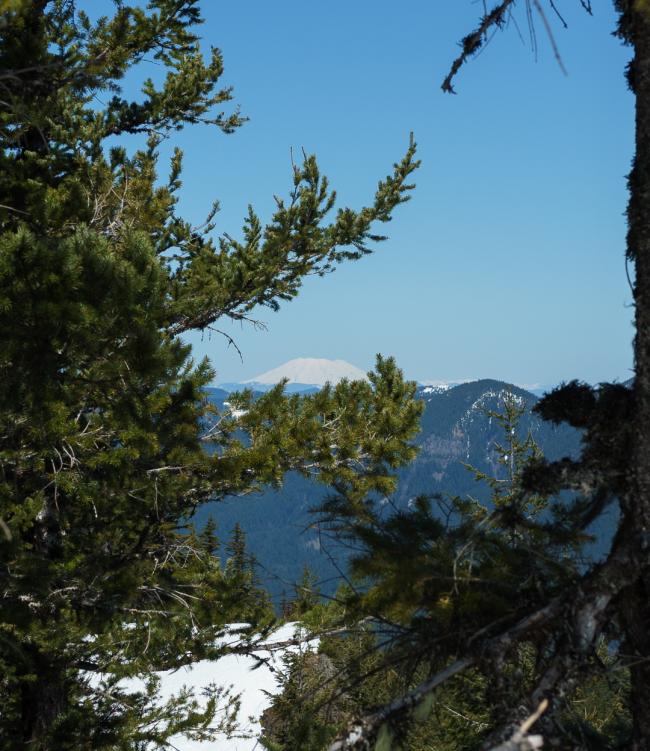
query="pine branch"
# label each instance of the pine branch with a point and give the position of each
(581, 615)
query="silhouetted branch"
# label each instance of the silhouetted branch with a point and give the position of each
(495, 19)
(549, 33)
(582, 611)
(473, 42)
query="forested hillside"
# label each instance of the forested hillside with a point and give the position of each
(456, 430)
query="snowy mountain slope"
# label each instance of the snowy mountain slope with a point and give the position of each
(254, 682)
(309, 370)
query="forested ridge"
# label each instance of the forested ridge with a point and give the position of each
(456, 429)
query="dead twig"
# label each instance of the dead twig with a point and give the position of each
(475, 40)
(520, 740)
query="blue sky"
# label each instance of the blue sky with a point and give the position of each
(509, 260)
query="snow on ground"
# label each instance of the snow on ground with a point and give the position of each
(236, 670)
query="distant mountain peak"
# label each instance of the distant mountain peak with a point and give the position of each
(312, 371)
(430, 386)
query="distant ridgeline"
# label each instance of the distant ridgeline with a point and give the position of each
(455, 431)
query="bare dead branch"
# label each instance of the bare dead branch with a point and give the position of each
(495, 19)
(231, 341)
(520, 740)
(583, 611)
(558, 14)
(475, 40)
(5, 530)
(551, 38)
(11, 208)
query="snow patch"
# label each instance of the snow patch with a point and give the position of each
(444, 385)
(234, 412)
(255, 686)
(436, 389)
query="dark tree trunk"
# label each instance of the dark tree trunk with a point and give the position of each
(636, 647)
(635, 27)
(44, 702)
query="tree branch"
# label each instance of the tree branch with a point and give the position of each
(583, 612)
(473, 42)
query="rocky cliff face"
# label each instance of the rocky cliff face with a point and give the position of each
(457, 430)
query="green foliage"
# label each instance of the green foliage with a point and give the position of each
(597, 716)
(512, 456)
(306, 596)
(352, 671)
(453, 423)
(303, 717)
(104, 418)
(429, 583)
(447, 567)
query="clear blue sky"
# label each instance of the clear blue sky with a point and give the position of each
(509, 260)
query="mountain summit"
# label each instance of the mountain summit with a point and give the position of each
(311, 371)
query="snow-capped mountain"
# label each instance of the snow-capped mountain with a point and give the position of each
(308, 374)
(303, 374)
(311, 370)
(437, 387)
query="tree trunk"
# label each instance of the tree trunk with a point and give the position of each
(636, 615)
(44, 702)
(636, 648)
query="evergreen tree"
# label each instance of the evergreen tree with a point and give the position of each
(570, 618)
(238, 561)
(251, 600)
(103, 414)
(457, 591)
(306, 593)
(208, 538)
(512, 456)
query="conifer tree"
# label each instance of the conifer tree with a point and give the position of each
(614, 468)
(306, 593)
(381, 641)
(512, 455)
(208, 537)
(238, 560)
(449, 584)
(103, 413)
